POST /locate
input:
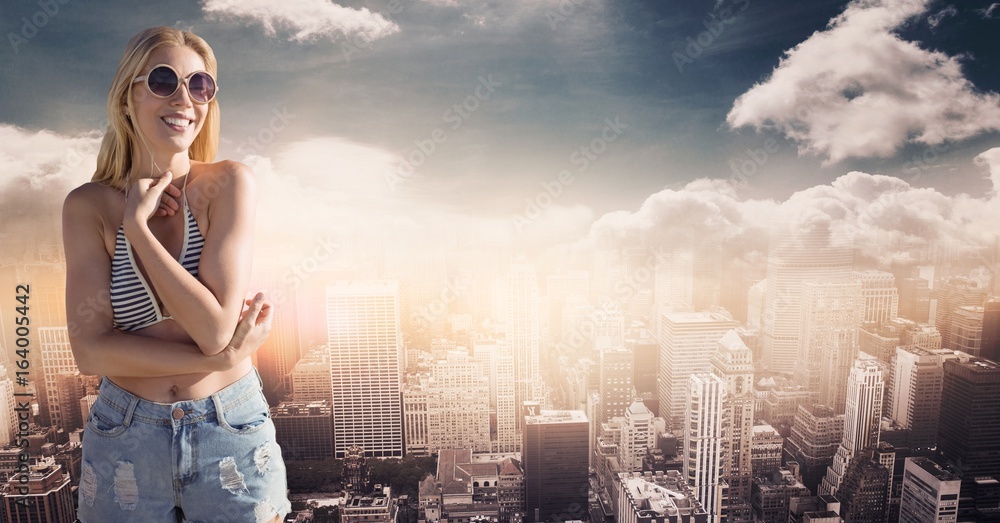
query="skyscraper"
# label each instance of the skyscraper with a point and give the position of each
(861, 421)
(967, 329)
(638, 434)
(969, 430)
(815, 438)
(929, 494)
(794, 256)
(830, 318)
(521, 320)
(990, 346)
(705, 455)
(616, 373)
(956, 292)
(57, 359)
(498, 361)
(913, 397)
(864, 491)
(365, 344)
(554, 456)
(733, 363)
(879, 295)
(687, 342)
(8, 417)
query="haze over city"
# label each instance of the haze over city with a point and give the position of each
(553, 181)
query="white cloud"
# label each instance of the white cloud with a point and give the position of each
(308, 20)
(40, 168)
(857, 90)
(935, 19)
(988, 12)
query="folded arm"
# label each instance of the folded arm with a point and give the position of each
(206, 307)
(100, 349)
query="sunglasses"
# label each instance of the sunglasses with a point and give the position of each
(163, 81)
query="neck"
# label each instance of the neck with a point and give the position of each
(146, 166)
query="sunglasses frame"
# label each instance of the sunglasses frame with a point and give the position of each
(185, 80)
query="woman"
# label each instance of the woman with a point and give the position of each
(180, 430)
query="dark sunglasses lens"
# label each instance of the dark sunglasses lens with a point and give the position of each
(162, 81)
(202, 87)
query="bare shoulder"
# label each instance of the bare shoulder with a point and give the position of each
(223, 178)
(91, 200)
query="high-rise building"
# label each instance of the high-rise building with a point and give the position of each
(310, 378)
(913, 397)
(765, 450)
(967, 329)
(879, 295)
(795, 256)
(365, 348)
(864, 491)
(687, 342)
(733, 363)
(930, 493)
(830, 318)
(497, 359)
(815, 437)
(861, 421)
(554, 456)
(914, 298)
(57, 359)
(280, 352)
(990, 345)
(304, 430)
(616, 374)
(638, 434)
(47, 496)
(416, 408)
(706, 459)
(646, 361)
(8, 416)
(662, 497)
(969, 430)
(522, 326)
(772, 493)
(954, 293)
(459, 410)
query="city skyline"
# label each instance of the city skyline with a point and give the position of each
(589, 254)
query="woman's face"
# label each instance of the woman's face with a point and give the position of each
(170, 124)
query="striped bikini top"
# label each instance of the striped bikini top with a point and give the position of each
(132, 297)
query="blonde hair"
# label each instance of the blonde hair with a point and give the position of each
(114, 161)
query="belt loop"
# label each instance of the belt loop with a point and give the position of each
(259, 380)
(130, 410)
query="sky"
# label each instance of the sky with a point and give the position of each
(531, 123)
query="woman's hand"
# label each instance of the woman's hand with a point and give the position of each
(149, 197)
(251, 332)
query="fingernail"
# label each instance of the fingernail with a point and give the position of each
(259, 296)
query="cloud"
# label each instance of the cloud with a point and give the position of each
(879, 215)
(857, 90)
(988, 12)
(935, 19)
(308, 20)
(40, 168)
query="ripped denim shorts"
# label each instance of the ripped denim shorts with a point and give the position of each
(210, 460)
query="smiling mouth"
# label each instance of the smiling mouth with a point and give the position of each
(177, 124)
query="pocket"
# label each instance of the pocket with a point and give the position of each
(246, 417)
(105, 419)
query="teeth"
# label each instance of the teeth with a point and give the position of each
(179, 122)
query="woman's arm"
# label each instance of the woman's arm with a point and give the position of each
(98, 348)
(206, 307)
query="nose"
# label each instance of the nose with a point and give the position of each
(182, 96)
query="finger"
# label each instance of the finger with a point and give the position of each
(255, 306)
(173, 191)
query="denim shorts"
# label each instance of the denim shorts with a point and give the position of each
(210, 460)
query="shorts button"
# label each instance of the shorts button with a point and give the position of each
(178, 413)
